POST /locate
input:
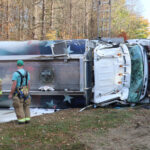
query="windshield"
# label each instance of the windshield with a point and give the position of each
(137, 74)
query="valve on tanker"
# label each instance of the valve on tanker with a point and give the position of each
(46, 76)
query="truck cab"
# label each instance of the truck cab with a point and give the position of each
(121, 73)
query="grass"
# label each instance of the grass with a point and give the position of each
(59, 131)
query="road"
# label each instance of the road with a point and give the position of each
(8, 114)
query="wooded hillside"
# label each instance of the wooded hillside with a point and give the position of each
(65, 19)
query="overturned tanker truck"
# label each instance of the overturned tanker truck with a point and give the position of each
(76, 73)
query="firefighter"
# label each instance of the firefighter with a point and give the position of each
(20, 93)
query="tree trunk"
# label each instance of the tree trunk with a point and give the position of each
(85, 19)
(43, 20)
(1, 19)
(7, 15)
(51, 14)
(70, 18)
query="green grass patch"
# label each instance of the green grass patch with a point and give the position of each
(59, 130)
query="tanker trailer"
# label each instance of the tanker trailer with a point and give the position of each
(75, 73)
(56, 69)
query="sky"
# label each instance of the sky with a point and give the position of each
(146, 9)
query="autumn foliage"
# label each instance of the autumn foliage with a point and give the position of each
(66, 19)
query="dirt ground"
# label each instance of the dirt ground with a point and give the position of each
(134, 135)
(71, 130)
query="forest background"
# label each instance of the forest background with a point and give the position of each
(68, 19)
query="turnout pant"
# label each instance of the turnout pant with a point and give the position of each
(22, 109)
